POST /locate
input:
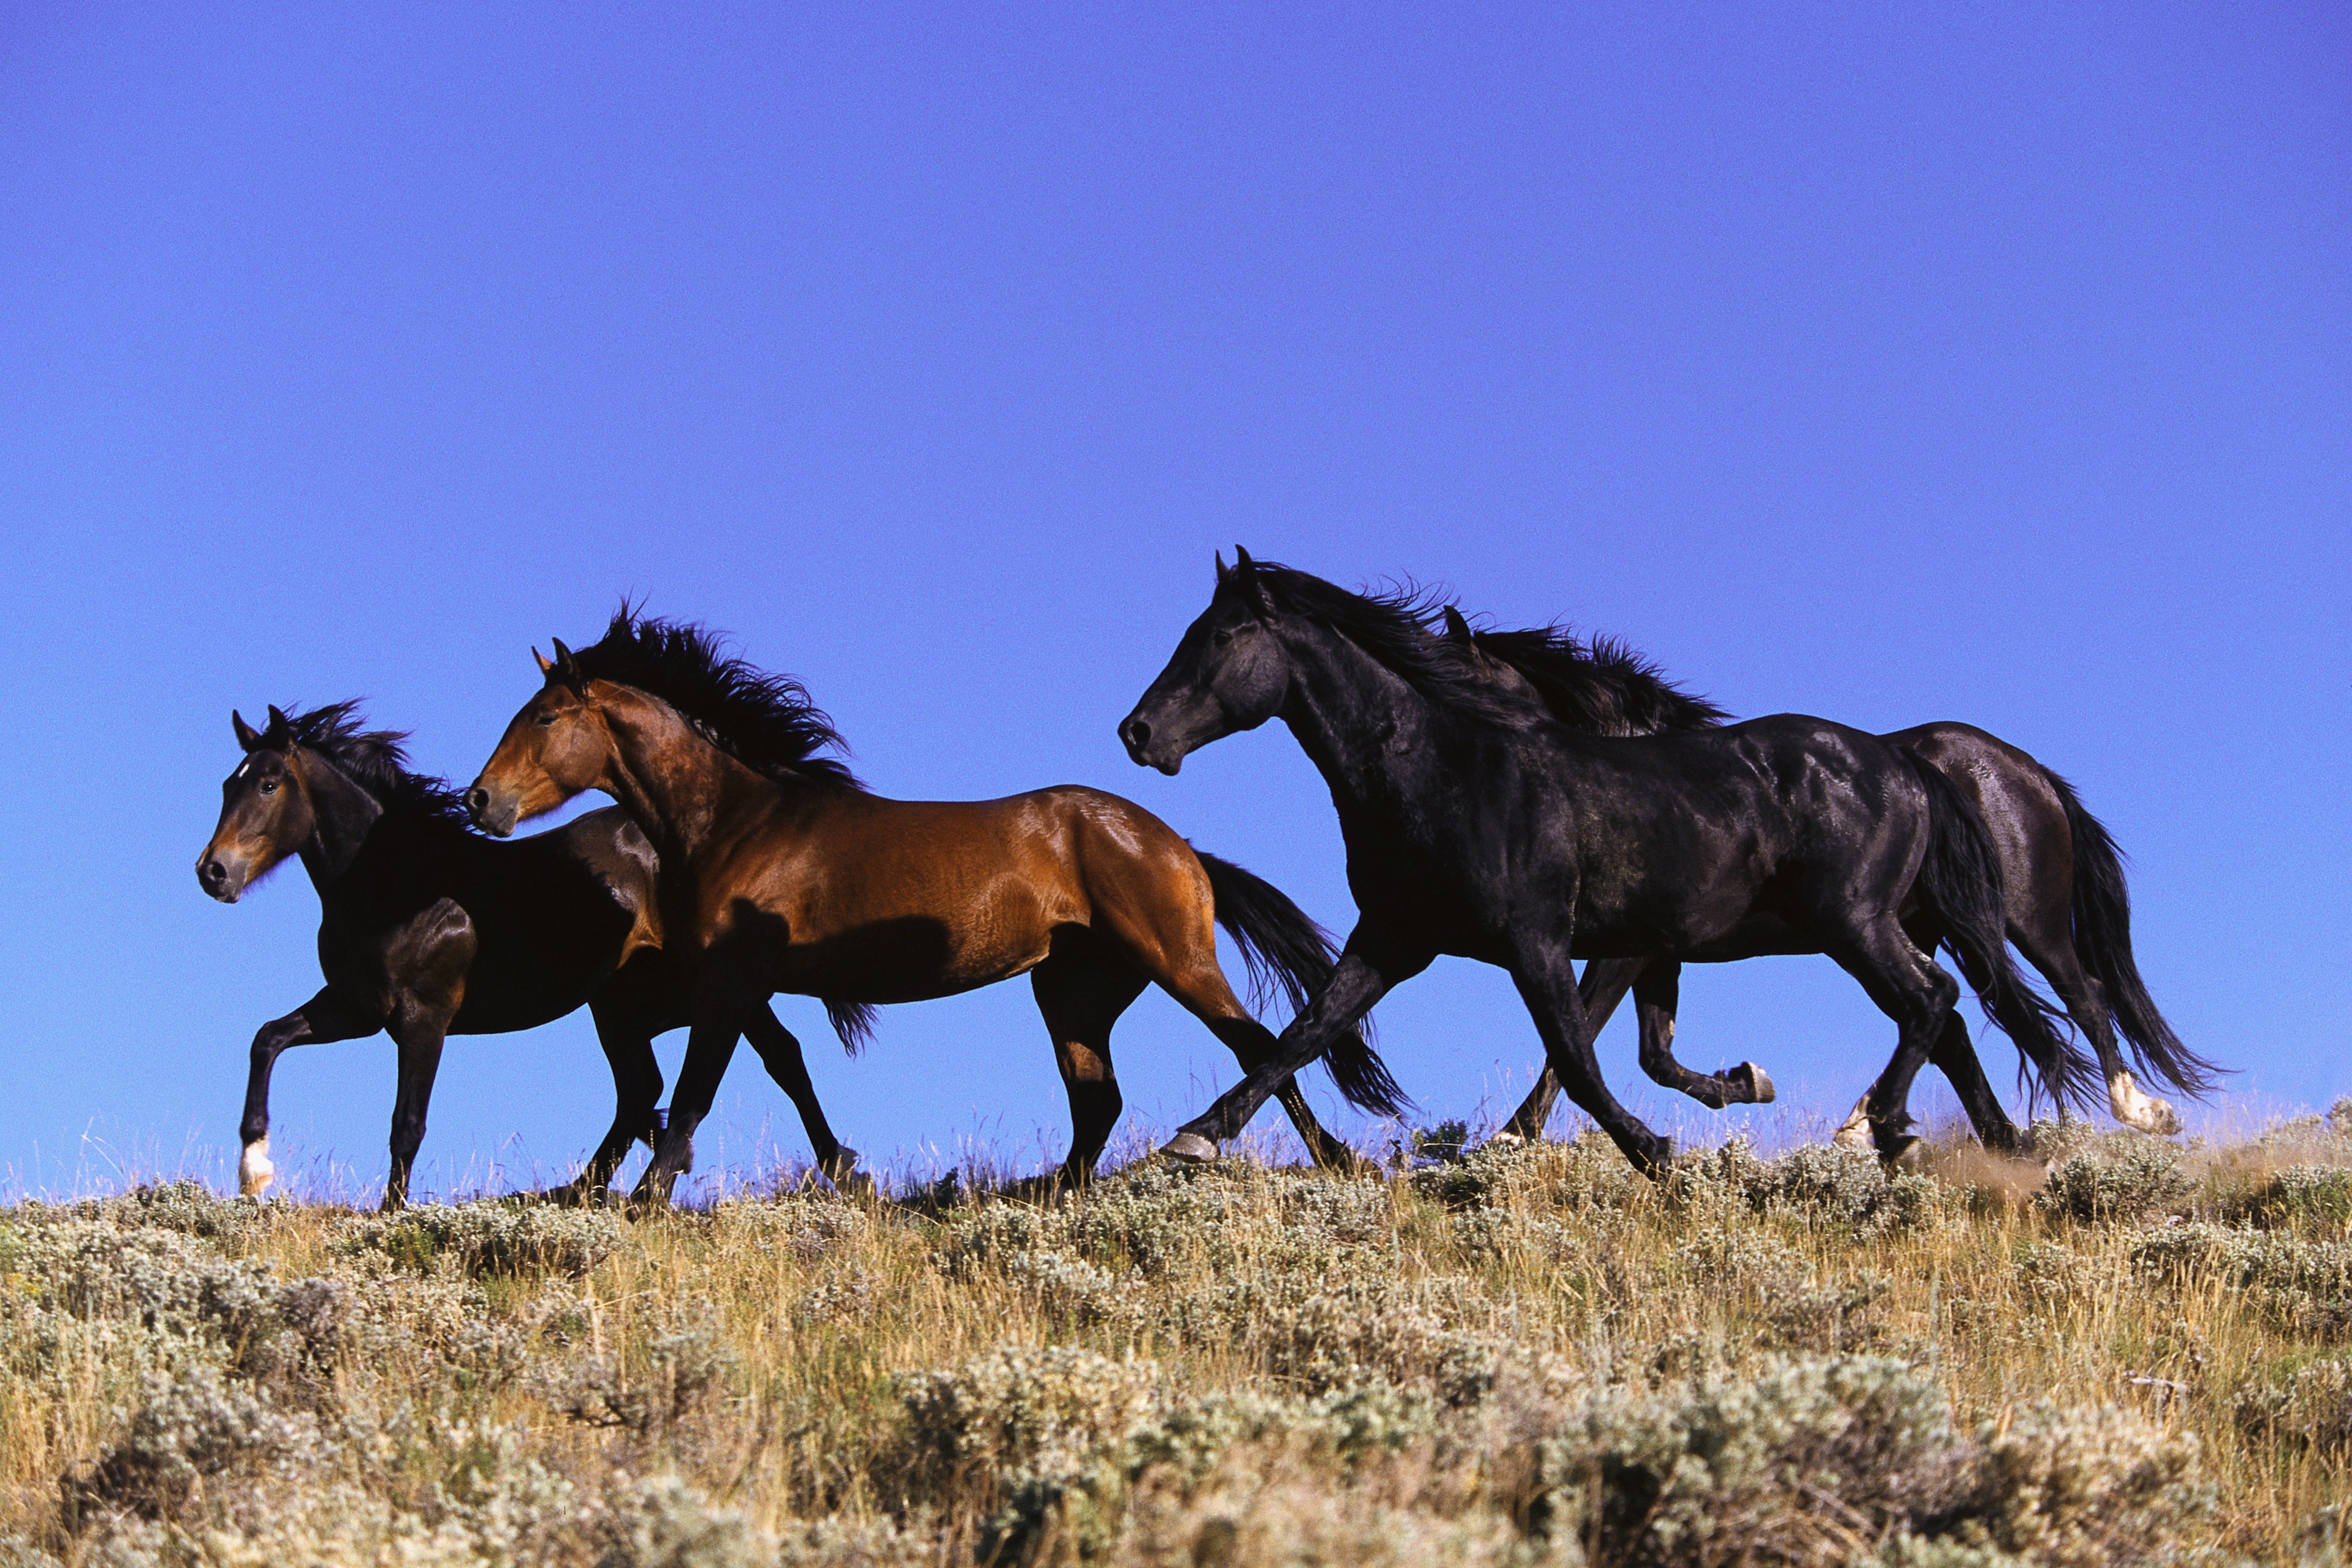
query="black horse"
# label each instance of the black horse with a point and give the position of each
(1479, 826)
(427, 929)
(2067, 907)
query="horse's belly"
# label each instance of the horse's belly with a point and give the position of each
(909, 957)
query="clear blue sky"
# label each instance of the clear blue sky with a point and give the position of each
(1891, 363)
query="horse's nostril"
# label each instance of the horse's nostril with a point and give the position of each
(1137, 734)
(477, 800)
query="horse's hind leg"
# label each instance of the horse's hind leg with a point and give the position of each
(780, 1052)
(1081, 995)
(2086, 1003)
(419, 1037)
(1909, 988)
(1192, 975)
(1656, 995)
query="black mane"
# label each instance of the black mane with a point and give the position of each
(376, 761)
(1600, 686)
(1391, 627)
(766, 722)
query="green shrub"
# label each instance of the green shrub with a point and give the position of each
(2115, 1184)
(488, 1240)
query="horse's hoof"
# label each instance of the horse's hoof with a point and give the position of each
(1505, 1139)
(253, 1170)
(1190, 1148)
(1909, 1154)
(1755, 1085)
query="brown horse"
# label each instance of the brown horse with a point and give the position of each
(778, 872)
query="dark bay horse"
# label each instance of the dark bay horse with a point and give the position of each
(780, 872)
(1480, 826)
(2066, 904)
(426, 928)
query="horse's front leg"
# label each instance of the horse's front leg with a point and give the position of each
(1657, 994)
(626, 1031)
(1547, 982)
(722, 1000)
(1371, 966)
(1605, 983)
(324, 1017)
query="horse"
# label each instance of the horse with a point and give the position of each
(781, 872)
(1478, 826)
(2068, 909)
(426, 928)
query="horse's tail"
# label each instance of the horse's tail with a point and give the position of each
(1962, 880)
(2103, 943)
(1283, 948)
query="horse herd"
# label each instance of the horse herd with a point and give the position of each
(1520, 797)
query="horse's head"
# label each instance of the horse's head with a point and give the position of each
(553, 749)
(266, 810)
(1229, 673)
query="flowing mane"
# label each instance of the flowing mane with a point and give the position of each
(1600, 686)
(377, 762)
(1391, 627)
(767, 723)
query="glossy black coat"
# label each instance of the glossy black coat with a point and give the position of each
(1481, 827)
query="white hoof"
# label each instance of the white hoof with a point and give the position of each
(1855, 1133)
(253, 1170)
(2140, 1111)
(1506, 1139)
(1190, 1148)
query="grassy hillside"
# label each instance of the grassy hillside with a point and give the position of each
(1528, 1356)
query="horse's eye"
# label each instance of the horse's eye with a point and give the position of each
(544, 721)
(1221, 637)
(270, 786)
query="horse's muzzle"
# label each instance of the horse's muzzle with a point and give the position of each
(1137, 736)
(492, 814)
(219, 879)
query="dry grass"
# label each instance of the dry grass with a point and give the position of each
(1518, 1357)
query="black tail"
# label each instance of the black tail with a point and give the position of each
(1962, 880)
(2103, 943)
(1283, 948)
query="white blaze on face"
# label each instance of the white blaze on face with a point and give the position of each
(2135, 1109)
(1855, 1133)
(253, 1170)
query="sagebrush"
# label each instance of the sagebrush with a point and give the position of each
(2124, 1351)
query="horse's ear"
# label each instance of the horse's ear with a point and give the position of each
(567, 668)
(1456, 628)
(247, 737)
(281, 730)
(1253, 591)
(546, 665)
(1223, 571)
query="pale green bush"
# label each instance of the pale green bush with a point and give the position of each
(2125, 1178)
(484, 1240)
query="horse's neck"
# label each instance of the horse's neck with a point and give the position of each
(674, 784)
(342, 814)
(1352, 715)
